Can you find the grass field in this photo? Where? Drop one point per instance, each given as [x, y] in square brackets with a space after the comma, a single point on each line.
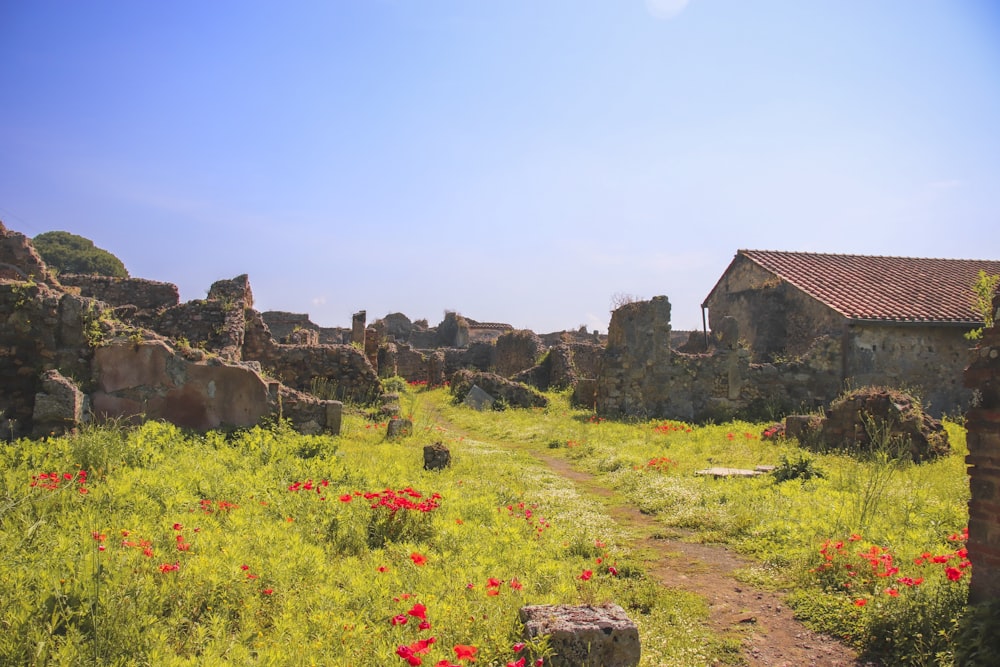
[151, 546]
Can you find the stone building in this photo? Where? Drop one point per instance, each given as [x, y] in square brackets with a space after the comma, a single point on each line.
[899, 321]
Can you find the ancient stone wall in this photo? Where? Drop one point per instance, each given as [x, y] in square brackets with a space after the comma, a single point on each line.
[925, 360]
[343, 371]
[41, 329]
[282, 324]
[20, 261]
[143, 294]
[586, 358]
[517, 351]
[641, 376]
[982, 422]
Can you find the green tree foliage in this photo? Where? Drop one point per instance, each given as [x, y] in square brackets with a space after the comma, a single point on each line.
[982, 301]
[69, 253]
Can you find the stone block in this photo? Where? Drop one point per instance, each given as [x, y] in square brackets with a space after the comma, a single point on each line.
[477, 399]
[399, 428]
[436, 457]
[584, 636]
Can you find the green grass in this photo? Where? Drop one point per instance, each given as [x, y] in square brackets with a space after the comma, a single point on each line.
[190, 550]
[906, 509]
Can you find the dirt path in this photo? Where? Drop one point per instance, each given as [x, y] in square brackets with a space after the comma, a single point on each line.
[771, 635]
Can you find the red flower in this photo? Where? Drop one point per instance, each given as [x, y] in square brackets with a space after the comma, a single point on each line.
[586, 575]
[518, 647]
[860, 602]
[418, 611]
[346, 498]
[418, 559]
[178, 526]
[267, 591]
[517, 663]
[399, 619]
[463, 652]
[953, 573]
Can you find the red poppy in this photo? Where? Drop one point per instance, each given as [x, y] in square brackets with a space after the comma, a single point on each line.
[399, 619]
[586, 575]
[346, 498]
[953, 573]
[860, 602]
[418, 611]
[463, 652]
[418, 559]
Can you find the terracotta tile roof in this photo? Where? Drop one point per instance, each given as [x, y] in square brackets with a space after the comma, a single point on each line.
[895, 289]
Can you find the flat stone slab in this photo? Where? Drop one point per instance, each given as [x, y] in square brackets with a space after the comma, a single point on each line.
[478, 399]
[731, 472]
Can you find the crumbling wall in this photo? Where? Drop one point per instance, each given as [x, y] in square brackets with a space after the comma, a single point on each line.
[41, 329]
[641, 376]
[143, 294]
[20, 261]
[982, 422]
[517, 351]
[635, 370]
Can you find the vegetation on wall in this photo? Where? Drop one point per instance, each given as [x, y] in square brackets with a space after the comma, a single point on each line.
[983, 291]
[70, 253]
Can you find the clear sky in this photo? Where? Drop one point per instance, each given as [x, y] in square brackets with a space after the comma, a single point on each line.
[519, 161]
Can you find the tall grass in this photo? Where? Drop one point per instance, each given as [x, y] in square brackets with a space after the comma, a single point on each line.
[877, 500]
[260, 547]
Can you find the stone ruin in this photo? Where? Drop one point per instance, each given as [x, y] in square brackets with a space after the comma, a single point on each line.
[77, 346]
[513, 394]
[641, 374]
[864, 420]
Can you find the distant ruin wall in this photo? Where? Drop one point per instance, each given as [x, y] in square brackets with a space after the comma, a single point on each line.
[343, 371]
[641, 376]
[982, 422]
[143, 294]
[517, 351]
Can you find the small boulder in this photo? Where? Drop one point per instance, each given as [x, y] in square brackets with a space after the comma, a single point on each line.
[436, 457]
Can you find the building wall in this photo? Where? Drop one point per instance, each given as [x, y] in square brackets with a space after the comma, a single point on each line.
[776, 320]
[925, 360]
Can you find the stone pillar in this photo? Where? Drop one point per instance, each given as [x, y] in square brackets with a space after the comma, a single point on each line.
[983, 424]
[358, 328]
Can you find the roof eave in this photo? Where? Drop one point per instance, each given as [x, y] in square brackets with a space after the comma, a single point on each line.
[968, 324]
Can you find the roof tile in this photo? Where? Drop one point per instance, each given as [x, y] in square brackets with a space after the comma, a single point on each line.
[882, 288]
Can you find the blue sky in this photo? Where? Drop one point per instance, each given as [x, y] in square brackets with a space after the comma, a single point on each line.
[519, 161]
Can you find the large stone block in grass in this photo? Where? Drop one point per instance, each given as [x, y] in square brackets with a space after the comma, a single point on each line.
[584, 636]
